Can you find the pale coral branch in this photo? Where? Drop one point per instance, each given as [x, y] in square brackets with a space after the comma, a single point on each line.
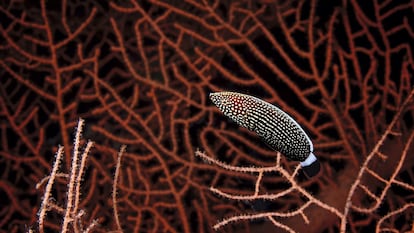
[252, 197]
[391, 214]
[278, 224]
[235, 168]
[44, 206]
[42, 181]
[114, 187]
[80, 175]
[91, 226]
[404, 185]
[388, 183]
[257, 186]
[71, 212]
[311, 198]
[351, 192]
[72, 181]
[261, 215]
[260, 170]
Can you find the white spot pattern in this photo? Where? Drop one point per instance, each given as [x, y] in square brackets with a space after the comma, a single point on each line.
[273, 125]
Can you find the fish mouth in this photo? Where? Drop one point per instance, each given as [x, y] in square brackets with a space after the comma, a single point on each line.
[218, 99]
[221, 99]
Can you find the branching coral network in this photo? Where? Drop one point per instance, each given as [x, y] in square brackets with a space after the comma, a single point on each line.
[140, 73]
[72, 215]
[343, 215]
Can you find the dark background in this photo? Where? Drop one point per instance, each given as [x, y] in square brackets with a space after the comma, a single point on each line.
[139, 73]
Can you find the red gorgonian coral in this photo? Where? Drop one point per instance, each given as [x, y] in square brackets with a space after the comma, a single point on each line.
[139, 73]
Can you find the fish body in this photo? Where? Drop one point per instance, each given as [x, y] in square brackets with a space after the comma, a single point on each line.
[276, 128]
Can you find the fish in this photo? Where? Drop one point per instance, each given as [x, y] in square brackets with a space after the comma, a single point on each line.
[274, 126]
